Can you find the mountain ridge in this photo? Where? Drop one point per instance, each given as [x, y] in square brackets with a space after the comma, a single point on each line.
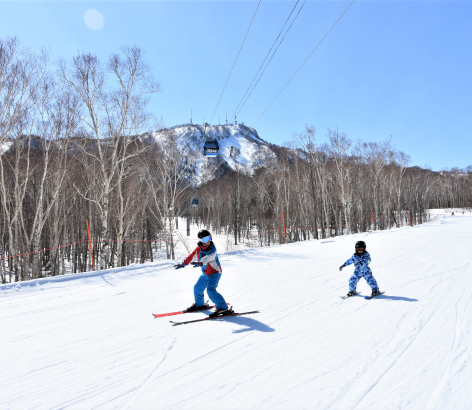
[241, 147]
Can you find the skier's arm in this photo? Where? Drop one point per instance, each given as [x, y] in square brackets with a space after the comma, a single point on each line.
[187, 260]
[347, 263]
[350, 261]
[190, 257]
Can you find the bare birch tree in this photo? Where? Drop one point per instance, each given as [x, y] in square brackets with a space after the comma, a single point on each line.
[114, 97]
[340, 146]
[21, 73]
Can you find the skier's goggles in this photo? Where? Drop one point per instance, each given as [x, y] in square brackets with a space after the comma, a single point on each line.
[206, 239]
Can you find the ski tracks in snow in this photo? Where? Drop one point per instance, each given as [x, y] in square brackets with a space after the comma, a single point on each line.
[443, 387]
[99, 349]
[149, 377]
[384, 358]
[401, 346]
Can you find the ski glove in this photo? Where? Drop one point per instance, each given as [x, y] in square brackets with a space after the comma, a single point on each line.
[197, 264]
[341, 267]
[179, 266]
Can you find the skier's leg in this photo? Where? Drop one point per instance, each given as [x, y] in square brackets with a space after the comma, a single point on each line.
[371, 280]
[356, 276]
[199, 289]
[213, 294]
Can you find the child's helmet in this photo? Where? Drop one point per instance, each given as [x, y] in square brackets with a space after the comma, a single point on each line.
[203, 233]
[361, 244]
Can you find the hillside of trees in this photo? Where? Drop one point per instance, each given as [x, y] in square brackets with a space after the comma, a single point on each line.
[75, 146]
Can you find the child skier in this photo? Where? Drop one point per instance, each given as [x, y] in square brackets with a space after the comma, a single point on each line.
[361, 260]
[207, 258]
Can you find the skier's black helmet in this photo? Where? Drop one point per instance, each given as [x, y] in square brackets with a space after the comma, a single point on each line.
[203, 233]
[361, 244]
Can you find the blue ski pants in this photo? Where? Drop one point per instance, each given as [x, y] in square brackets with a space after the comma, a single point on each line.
[209, 283]
[358, 274]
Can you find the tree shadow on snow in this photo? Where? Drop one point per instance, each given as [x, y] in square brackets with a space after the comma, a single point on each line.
[396, 298]
[250, 325]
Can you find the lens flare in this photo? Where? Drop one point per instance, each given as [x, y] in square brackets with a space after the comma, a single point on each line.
[94, 19]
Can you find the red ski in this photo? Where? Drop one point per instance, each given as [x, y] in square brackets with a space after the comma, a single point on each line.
[211, 318]
[179, 313]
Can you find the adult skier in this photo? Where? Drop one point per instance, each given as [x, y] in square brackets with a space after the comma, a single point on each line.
[361, 260]
[205, 256]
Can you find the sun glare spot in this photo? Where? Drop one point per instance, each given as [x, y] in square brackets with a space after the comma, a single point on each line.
[94, 19]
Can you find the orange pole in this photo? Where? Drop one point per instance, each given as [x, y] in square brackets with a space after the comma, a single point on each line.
[372, 213]
[90, 245]
[283, 222]
[409, 216]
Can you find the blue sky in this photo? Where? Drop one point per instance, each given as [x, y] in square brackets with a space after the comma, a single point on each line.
[400, 69]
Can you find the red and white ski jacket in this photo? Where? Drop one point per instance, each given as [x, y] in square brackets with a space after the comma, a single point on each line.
[208, 257]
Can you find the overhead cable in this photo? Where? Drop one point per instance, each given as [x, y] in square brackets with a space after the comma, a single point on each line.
[235, 61]
[309, 55]
[268, 53]
[281, 41]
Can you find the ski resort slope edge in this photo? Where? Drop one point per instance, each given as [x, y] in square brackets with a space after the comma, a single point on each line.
[91, 341]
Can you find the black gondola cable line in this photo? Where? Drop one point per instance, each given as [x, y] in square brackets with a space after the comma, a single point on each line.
[254, 15]
[281, 41]
[301, 65]
[298, 69]
[267, 55]
[254, 56]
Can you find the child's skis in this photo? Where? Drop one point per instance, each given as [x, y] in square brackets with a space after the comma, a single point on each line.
[210, 318]
[370, 297]
[178, 313]
[350, 296]
[181, 312]
[365, 297]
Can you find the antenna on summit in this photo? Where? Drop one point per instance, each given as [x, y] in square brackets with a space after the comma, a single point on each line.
[190, 116]
[226, 118]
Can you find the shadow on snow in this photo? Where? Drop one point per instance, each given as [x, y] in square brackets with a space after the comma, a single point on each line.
[396, 298]
[250, 324]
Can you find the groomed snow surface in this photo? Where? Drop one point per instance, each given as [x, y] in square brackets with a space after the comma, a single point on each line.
[89, 341]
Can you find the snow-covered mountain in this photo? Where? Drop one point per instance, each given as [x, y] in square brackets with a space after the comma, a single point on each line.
[241, 148]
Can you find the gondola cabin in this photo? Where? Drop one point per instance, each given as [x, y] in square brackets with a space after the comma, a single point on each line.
[211, 148]
[194, 202]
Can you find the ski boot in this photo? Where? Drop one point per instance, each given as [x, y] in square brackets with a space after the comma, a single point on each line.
[195, 308]
[375, 293]
[351, 293]
[221, 312]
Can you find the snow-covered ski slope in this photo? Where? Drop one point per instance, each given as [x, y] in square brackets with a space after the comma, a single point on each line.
[90, 341]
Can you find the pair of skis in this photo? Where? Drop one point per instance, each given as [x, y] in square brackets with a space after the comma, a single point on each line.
[365, 297]
[232, 314]
[200, 320]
